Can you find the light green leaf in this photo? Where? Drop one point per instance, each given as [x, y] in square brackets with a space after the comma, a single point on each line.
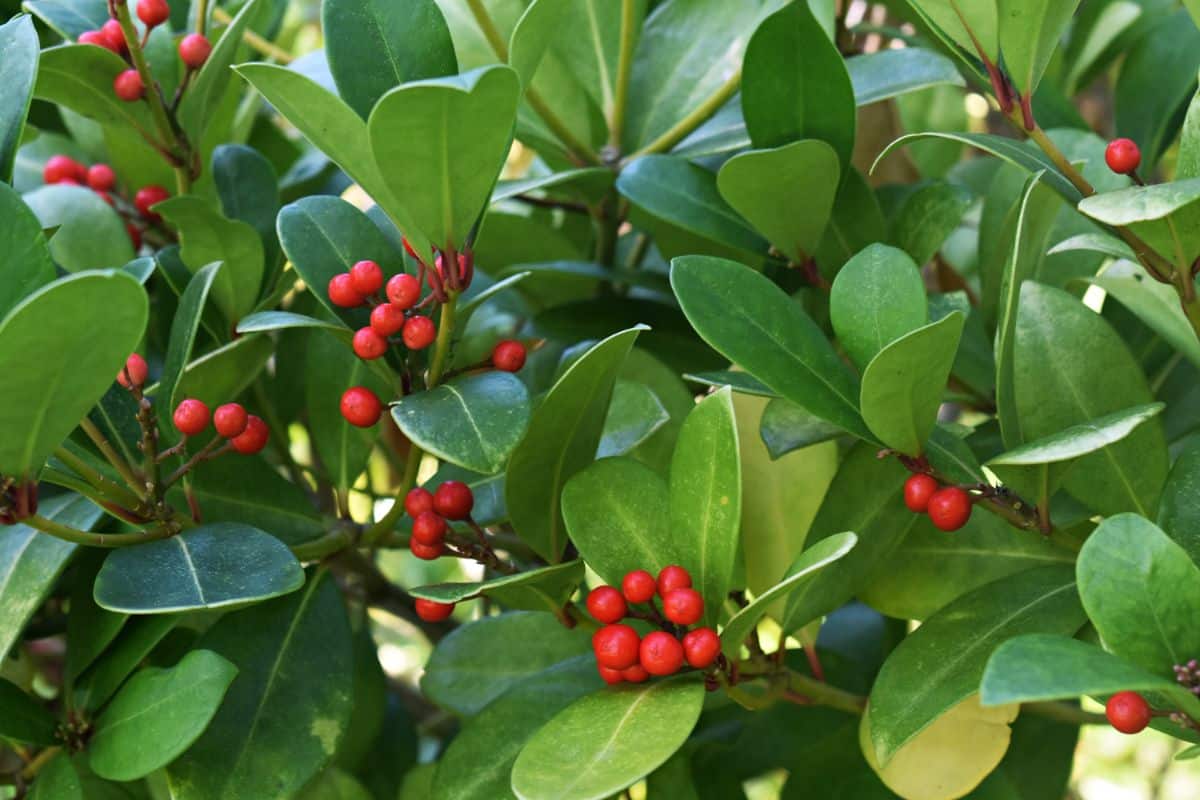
[184, 328]
[1079, 440]
[19, 43]
[877, 297]
[27, 263]
[207, 90]
[888, 73]
[634, 415]
[89, 235]
[978, 22]
[80, 77]
[262, 321]
[1156, 304]
[58, 781]
[541, 589]
[1029, 34]
[533, 35]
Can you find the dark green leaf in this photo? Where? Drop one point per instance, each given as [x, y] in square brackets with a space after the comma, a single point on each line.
[740, 382]
[1179, 508]
[887, 73]
[787, 427]
[23, 719]
[207, 90]
[184, 328]
[19, 42]
[634, 415]
[133, 645]
[249, 191]
[928, 217]
[876, 298]
[262, 321]
[58, 781]
[1029, 34]
[80, 77]
[27, 264]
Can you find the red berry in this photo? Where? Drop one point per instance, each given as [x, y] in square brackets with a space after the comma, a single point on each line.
[950, 508]
[429, 529]
[440, 262]
[101, 177]
[426, 552]
[342, 292]
[701, 647]
[253, 439]
[59, 169]
[128, 85]
[419, 333]
[112, 33]
[367, 277]
[404, 291]
[97, 38]
[361, 407]
[616, 646]
[194, 49]
[431, 610]
[230, 420]
[191, 417]
[408, 248]
[638, 586]
[138, 371]
[661, 653]
[1128, 712]
[1123, 156]
[135, 235]
[683, 606]
[508, 356]
[673, 577]
[635, 674]
[368, 344]
[418, 501]
[153, 12]
[917, 491]
[606, 605]
[453, 500]
[387, 319]
[147, 197]
[610, 676]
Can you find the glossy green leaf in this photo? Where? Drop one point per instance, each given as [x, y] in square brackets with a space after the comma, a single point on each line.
[58, 781]
[740, 382]
[157, 715]
[262, 321]
[1079, 440]
[1029, 34]
[90, 629]
[589, 183]
[533, 35]
[541, 589]
[213, 566]
[184, 328]
[27, 264]
[1179, 508]
[1147, 209]
[979, 22]
[877, 297]
[334, 784]
[207, 90]
[80, 77]
[786, 427]
[888, 73]
[634, 415]
[1156, 304]
[1096, 243]
[24, 719]
[89, 235]
[928, 217]
[613, 738]
[249, 191]
[857, 222]
[137, 639]
[19, 42]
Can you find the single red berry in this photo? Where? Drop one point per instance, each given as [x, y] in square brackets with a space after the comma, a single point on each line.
[361, 407]
[606, 605]
[254, 438]
[683, 606]
[403, 291]
[128, 85]
[418, 501]
[508, 356]
[419, 333]
[368, 344]
[431, 610]
[147, 197]
[408, 248]
[610, 676]
[342, 292]
[97, 38]
[191, 417]
[1123, 156]
[387, 319]
[135, 236]
[101, 177]
[1128, 712]
[426, 552]
[673, 577]
[60, 168]
[950, 508]
[138, 371]
[153, 12]
[661, 653]
[701, 647]
[194, 50]
[112, 33]
[453, 500]
[917, 491]
[429, 529]
[635, 674]
[638, 586]
[230, 420]
[366, 277]
[616, 646]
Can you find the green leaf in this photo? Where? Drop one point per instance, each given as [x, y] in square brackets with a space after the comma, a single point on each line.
[90, 629]
[80, 77]
[754, 324]
[613, 738]
[48, 388]
[477, 663]
[929, 215]
[888, 73]
[287, 709]
[262, 321]
[19, 42]
[533, 35]
[634, 415]
[564, 432]
[249, 191]
[740, 382]
[374, 45]
[800, 573]
[90, 234]
[877, 297]
[981, 23]
[157, 715]
[1096, 243]
[58, 781]
[227, 371]
[23, 719]
[1141, 590]
[1079, 440]
[1147, 208]
[1179, 508]
[334, 784]
[542, 589]
[474, 421]
[214, 566]
[133, 645]
[857, 222]
[27, 264]
[902, 387]
[590, 183]
[939, 666]
[1029, 34]
[207, 90]
[1156, 304]
[787, 193]
[786, 427]
[184, 328]
[795, 85]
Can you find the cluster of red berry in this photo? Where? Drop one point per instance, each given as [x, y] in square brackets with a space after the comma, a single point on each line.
[100, 178]
[622, 655]
[948, 507]
[429, 512]
[393, 314]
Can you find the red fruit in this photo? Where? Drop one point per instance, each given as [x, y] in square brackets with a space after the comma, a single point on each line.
[683, 606]
[254, 438]
[635, 674]
[138, 371]
[673, 577]
[606, 605]
[128, 85]
[101, 177]
[191, 417]
[112, 33]
[404, 291]
[1123, 156]
[106, 197]
[342, 292]
[440, 262]
[147, 197]
[153, 12]
[135, 235]
[59, 169]
[701, 647]
[1128, 712]
[419, 333]
[418, 501]
[950, 508]
[368, 344]
[616, 646]
[361, 407]
[508, 356]
[387, 319]
[661, 653]
[97, 38]
[230, 420]
[431, 610]
[917, 491]
[638, 586]
[408, 248]
[194, 49]
[453, 500]
[367, 277]
[610, 676]
[426, 552]
[429, 529]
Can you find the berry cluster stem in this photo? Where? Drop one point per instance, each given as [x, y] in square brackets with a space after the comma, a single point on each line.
[164, 530]
[113, 457]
